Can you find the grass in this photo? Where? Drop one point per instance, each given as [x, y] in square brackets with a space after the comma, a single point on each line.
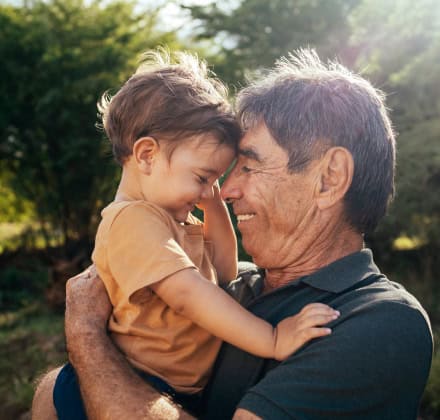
[31, 342]
[16, 235]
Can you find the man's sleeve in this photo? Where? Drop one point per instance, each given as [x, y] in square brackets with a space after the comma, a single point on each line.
[374, 365]
[142, 250]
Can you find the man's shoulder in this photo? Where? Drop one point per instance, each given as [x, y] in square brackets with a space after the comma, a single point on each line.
[386, 296]
[385, 313]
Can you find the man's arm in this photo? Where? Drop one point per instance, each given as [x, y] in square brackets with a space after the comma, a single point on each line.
[109, 387]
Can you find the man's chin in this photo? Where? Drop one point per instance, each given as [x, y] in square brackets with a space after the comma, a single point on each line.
[247, 246]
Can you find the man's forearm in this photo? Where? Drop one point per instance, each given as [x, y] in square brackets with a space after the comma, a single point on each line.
[109, 386]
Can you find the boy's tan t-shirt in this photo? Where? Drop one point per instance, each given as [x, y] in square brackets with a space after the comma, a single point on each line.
[138, 244]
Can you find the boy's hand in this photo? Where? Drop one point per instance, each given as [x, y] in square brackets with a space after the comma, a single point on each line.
[213, 199]
[295, 331]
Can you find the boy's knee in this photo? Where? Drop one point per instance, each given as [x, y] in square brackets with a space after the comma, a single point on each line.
[42, 404]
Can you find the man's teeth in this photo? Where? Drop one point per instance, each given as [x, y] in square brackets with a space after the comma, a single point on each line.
[243, 217]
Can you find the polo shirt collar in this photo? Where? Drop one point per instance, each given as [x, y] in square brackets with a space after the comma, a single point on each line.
[343, 273]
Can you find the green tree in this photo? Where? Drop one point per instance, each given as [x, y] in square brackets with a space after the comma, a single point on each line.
[399, 49]
[254, 33]
[58, 57]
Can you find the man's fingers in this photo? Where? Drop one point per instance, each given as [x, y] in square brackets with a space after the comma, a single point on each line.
[88, 272]
[87, 304]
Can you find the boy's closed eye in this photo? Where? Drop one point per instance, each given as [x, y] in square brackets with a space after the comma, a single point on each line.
[202, 179]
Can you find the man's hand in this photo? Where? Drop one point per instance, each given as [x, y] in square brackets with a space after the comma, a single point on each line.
[109, 386]
[88, 307]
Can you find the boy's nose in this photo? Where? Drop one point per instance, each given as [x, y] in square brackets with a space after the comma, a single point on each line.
[208, 192]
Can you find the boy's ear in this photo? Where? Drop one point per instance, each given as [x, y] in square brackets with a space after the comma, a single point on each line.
[336, 175]
[144, 151]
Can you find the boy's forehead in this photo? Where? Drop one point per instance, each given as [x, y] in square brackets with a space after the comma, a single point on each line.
[216, 163]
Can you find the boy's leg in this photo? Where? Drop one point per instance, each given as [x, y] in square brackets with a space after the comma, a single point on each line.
[67, 396]
[42, 404]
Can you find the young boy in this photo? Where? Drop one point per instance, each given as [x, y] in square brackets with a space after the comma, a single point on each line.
[174, 134]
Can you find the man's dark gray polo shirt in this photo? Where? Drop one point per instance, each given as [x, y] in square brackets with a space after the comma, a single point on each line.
[374, 365]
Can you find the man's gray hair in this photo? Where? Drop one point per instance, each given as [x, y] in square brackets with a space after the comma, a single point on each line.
[309, 106]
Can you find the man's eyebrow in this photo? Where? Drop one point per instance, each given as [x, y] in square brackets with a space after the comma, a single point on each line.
[250, 154]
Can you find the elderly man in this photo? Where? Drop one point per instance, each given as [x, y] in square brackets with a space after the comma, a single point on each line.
[314, 174]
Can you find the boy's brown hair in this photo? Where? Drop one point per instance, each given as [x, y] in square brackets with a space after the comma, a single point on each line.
[169, 98]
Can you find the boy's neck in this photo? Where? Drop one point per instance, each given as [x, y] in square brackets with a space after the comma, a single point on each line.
[129, 188]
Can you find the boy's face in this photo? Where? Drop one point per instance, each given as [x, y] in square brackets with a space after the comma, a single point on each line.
[184, 179]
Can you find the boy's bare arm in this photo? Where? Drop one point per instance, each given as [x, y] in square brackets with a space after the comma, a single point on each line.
[109, 387]
[196, 298]
[219, 230]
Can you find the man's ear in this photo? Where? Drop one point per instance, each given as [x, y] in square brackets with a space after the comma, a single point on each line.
[144, 151]
[336, 175]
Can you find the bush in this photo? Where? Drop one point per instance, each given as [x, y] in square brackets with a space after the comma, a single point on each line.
[431, 398]
[21, 287]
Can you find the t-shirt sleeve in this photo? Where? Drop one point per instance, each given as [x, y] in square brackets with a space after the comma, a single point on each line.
[142, 249]
[208, 245]
[374, 365]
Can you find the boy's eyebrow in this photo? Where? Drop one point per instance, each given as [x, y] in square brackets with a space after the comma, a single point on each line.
[250, 154]
[210, 171]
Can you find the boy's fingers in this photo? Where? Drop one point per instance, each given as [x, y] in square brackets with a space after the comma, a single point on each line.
[316, 320]
[315, 332]
[303, 318]
[317, 308]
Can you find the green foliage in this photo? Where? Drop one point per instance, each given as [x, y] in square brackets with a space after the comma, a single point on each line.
[431, 398]
[31, 342]
[399, 48]
[256, 32]
[58, 58]
[21, 287]
[13, 208]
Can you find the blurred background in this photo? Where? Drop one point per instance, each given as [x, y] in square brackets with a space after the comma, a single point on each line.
[56, 171]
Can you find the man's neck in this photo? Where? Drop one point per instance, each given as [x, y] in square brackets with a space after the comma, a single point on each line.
[314, 259]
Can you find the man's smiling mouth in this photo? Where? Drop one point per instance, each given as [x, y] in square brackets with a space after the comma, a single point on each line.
[245, 217]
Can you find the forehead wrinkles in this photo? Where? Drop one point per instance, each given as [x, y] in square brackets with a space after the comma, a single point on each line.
[264, 162]
[259, 145]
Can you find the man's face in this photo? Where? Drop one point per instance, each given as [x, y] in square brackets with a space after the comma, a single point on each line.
[274, 207]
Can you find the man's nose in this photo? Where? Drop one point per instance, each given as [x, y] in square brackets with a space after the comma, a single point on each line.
[231, 189]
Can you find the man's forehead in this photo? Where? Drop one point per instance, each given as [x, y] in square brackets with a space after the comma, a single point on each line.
[257, 142]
